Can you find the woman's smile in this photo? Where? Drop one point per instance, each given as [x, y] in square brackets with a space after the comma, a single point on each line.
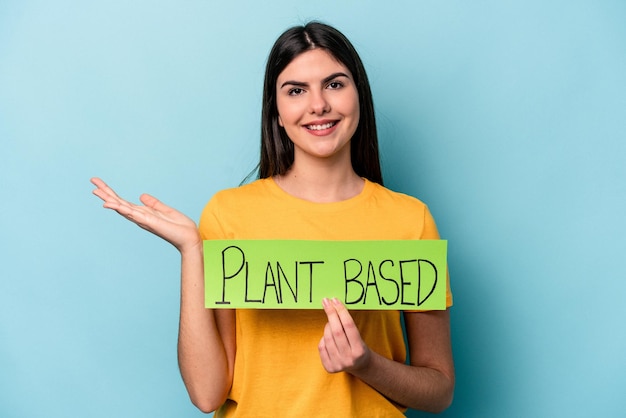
[321, 128]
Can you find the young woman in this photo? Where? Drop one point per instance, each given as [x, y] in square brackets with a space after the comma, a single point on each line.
[319, 179]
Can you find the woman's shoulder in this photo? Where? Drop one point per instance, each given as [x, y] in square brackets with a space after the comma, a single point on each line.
[235, 201]
[384, 194]
[255, 188]
[246, 195]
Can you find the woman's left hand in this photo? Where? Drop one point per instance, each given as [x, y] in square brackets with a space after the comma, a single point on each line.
[342, 348]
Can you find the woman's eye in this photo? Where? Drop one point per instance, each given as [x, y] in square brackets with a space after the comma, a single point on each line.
[295, 91]
[335, 85]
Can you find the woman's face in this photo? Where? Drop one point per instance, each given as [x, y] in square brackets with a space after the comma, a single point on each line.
[318, 106]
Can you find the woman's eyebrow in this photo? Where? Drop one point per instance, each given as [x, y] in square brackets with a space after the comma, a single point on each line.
[294, 83]
[334, 75]
[324, 81]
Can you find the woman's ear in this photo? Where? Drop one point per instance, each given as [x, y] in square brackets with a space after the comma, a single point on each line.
[280, 122]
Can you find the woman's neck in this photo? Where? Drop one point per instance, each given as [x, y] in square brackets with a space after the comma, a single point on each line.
[321, 184]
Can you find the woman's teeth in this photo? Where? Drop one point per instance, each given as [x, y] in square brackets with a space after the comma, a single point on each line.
[320, 127]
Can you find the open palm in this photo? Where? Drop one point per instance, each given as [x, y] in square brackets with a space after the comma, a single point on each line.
[153, 216]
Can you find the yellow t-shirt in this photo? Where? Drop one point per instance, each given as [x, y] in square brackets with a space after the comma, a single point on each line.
[278, 372]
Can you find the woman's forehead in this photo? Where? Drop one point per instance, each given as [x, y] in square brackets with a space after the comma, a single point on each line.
[312, 64]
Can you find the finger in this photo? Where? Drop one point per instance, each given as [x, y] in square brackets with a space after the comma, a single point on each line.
[111, 199]
[97, 181]
[331, 357]
[105, 193]
[325, 357]
[102, 186]
[347, 322]
[334, 332]
[105, 196]
[154, 203]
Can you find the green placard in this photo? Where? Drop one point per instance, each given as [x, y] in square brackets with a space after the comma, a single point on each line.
[288, 274]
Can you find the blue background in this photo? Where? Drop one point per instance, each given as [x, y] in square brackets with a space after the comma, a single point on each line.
[507, 117]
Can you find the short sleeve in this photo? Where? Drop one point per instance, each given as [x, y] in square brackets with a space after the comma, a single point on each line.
[209, 225]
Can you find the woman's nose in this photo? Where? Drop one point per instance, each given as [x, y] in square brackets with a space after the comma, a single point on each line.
[319, 104]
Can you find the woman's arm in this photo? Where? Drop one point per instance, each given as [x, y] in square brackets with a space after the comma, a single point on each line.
[206, 339]
[426, 384]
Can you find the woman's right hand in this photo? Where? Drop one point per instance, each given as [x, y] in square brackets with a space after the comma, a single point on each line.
[153, 216]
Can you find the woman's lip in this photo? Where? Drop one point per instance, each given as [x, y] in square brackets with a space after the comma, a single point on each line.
[320, 128]
[321, 125]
